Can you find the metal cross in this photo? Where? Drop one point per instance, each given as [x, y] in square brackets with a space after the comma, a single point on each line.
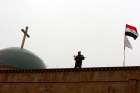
[25, 35]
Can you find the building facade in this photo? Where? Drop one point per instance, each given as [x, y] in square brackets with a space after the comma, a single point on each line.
[85, 80]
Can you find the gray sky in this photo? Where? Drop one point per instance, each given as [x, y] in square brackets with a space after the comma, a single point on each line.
[59, 28]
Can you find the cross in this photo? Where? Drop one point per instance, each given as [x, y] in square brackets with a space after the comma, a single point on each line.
[25, 35]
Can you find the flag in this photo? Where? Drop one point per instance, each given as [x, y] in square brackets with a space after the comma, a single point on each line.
[127, 43]
[131, 31]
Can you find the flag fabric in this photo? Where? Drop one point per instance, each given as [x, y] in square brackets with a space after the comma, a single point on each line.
[127, 43]
[131, 31]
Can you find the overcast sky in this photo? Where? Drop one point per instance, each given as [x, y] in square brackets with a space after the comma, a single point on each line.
[60, 28]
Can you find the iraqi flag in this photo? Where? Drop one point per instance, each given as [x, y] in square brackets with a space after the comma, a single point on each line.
[131, 31]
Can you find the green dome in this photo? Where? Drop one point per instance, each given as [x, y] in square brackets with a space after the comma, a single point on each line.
[20, 58]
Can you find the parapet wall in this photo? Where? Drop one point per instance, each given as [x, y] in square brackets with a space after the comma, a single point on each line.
[85, 80]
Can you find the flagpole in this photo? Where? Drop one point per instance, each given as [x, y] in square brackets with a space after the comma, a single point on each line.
[124, 56]
[124, 51]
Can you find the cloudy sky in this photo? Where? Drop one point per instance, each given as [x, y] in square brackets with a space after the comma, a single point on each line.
[60, 28]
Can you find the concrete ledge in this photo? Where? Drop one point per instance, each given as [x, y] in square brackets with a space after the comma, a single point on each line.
[70, 69]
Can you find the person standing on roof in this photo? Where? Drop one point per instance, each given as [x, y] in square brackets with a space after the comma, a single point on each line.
[78, 60]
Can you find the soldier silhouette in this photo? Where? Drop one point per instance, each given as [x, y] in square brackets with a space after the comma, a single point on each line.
[78, 60]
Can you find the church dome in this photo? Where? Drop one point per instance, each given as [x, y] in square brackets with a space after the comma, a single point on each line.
[20, 58]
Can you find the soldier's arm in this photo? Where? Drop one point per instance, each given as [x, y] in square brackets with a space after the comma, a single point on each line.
[84, 58]
[75, 57]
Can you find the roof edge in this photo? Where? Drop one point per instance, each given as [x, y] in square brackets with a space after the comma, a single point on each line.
[71, 69]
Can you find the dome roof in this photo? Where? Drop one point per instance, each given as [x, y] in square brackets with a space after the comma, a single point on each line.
[20, 58]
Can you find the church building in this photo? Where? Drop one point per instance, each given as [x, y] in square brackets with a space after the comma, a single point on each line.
[23, 72]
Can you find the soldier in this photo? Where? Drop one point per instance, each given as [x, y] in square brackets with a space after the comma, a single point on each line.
[78, 60]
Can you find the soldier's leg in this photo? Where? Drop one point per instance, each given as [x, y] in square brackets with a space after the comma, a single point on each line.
[75, 65]
[80, 64]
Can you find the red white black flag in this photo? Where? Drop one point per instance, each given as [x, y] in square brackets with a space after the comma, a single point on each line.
[131, 31]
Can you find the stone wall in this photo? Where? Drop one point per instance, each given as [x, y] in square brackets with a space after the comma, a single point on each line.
[85, 80]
